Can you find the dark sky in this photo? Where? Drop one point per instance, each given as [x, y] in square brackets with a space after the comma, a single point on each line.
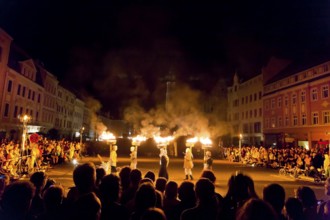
[119, 50]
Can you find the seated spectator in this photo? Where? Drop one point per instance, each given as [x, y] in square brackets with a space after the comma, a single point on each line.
[274, 194]
[294, 209]
[256, 209]
[207, 204]
[16, 200]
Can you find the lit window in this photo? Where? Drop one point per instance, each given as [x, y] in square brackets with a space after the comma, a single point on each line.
[303, 96]
[295, 120]
[294, 98]
[303, 119]
[325, 91]
[272, 105]
[279, 102]
[315, 117]
[314, 94]
[326, 117]
[286, 101]
[279, 121]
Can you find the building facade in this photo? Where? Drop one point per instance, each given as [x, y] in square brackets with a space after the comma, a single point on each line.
[245, 112]
[297, 108]
[27, 88]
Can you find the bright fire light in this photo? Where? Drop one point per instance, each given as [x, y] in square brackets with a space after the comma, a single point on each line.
[107, 136]
[162, 141]
[205, 141]
[138, 139]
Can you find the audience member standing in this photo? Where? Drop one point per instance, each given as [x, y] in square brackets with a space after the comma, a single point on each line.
[207, 204]
[274, 194]
[109, 194]
[16, 200]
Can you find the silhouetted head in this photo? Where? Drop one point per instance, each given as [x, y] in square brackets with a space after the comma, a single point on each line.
[274, 194]
[84, 177]
[256, 209]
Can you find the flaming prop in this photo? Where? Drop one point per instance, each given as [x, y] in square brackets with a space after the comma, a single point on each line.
[206, 142]
[108, 137]
[136, 141]
[163, 141]
[191, 141]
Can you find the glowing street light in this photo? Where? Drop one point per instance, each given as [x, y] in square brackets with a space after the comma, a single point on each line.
[239, 147]
[81, 135]
[25, 119]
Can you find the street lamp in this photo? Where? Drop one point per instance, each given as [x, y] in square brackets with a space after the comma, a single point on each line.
[81, 135]
[328, 133]
[24, 119]
[239, 147]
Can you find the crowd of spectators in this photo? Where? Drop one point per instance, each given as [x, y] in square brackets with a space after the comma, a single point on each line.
[279, 157]
[130, 195]
[35, 156]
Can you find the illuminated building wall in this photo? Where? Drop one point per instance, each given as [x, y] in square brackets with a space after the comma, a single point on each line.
[297, 107]
[245, 110]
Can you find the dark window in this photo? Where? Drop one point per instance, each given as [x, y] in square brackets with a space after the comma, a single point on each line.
[29, 94]
[38, 98]
[23, 93]
[10, 85]
[33, 94]
[19, 89]
[6, 113]
[21, 110]
[15, 111]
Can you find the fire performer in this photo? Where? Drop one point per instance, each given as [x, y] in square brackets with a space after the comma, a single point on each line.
[208, 161]
[188, 164]
[164, 161]
[133, 157]
[113, 159]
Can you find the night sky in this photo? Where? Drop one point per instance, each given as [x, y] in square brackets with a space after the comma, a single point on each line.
[118, 51]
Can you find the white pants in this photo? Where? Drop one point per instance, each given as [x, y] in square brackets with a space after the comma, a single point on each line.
[187, 171]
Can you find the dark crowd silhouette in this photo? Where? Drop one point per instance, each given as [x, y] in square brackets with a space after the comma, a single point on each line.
[130, 195]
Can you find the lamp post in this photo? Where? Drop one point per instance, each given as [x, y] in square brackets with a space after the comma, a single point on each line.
[24, 119]
[81, 135]
[239, 147]
[328, 133]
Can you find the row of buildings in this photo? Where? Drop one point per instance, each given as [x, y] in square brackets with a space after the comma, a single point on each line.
[27, 88]
[286, 104]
